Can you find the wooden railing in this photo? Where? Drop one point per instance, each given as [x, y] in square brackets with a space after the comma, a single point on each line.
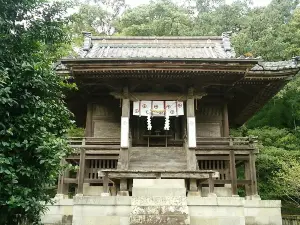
[291, 220]
[87, 141]
[229, 141]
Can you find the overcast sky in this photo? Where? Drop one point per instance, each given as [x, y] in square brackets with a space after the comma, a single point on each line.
[133, 3]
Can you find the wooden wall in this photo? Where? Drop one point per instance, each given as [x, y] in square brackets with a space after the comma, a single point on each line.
[104, 118]
[209, 119]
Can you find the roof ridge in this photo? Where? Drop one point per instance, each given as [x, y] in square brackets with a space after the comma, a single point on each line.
[156, 37]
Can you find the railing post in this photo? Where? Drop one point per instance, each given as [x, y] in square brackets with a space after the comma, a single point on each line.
[233, 173]
[105, 183]
[211, 184]
[253, 174]
[81, 172]
[248, 177]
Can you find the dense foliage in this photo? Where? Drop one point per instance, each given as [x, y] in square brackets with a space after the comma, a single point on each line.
[271, 32]
[33, 116]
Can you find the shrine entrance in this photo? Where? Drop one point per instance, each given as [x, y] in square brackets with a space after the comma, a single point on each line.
[157, 129]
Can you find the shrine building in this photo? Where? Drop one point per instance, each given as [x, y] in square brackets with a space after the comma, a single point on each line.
[157, 113]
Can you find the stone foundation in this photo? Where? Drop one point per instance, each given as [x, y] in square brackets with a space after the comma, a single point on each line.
[162, 202]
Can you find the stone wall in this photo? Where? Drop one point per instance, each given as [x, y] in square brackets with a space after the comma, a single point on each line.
[162, 202]
[112, 210]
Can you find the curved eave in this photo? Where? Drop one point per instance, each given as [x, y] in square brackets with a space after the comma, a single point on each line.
[273, 82]
[101, 66]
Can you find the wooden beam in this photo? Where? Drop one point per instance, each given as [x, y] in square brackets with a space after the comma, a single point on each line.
[77, 157]
[81, 172]
[89, 121]
[225, 121]
[70, 180]
[217, 157]
[233, 173]
[239, 182]
[153, 96]
[120, 174]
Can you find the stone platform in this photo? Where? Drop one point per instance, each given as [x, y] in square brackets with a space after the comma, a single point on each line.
[162, 202]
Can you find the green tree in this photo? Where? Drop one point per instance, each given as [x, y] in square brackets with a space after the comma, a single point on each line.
[97, 17]
[33, 115]
[159, 18]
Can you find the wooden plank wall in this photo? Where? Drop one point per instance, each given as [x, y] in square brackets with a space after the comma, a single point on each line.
[209, 121]
[105, 118]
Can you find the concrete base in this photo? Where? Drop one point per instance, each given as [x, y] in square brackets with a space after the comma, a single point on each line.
[194, 193]
[219, 191]
[123, 193]
[212, 195]
[148, 207]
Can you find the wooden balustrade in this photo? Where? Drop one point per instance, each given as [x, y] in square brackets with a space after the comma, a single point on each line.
[229, 141]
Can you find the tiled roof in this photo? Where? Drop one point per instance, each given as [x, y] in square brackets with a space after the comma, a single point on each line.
[157, 47]
[275, 66]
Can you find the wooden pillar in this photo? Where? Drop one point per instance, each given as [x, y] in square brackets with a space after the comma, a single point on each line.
[123, 185]
[225, 121]
[233, 173]
[105, 183]
[252, 158]
[62, 187]
[193, 185]
[60, 184]
[124, 152]
[81, 171]
[247, 177]
[191, 131]
[89, 121]
[211, 184]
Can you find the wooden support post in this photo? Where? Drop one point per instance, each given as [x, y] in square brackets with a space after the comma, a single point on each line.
[225, 121]
[233, 173]
[62, 187]
[105, 183]
[123, 185]
[191, 131]
[253, 174]
[89, 121]
[193, 185]
[247, 177]
[124, 152]
[60, 184]
[81, 171]
[211, 184]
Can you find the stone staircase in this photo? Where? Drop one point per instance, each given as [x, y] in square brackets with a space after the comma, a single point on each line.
[157, 158]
